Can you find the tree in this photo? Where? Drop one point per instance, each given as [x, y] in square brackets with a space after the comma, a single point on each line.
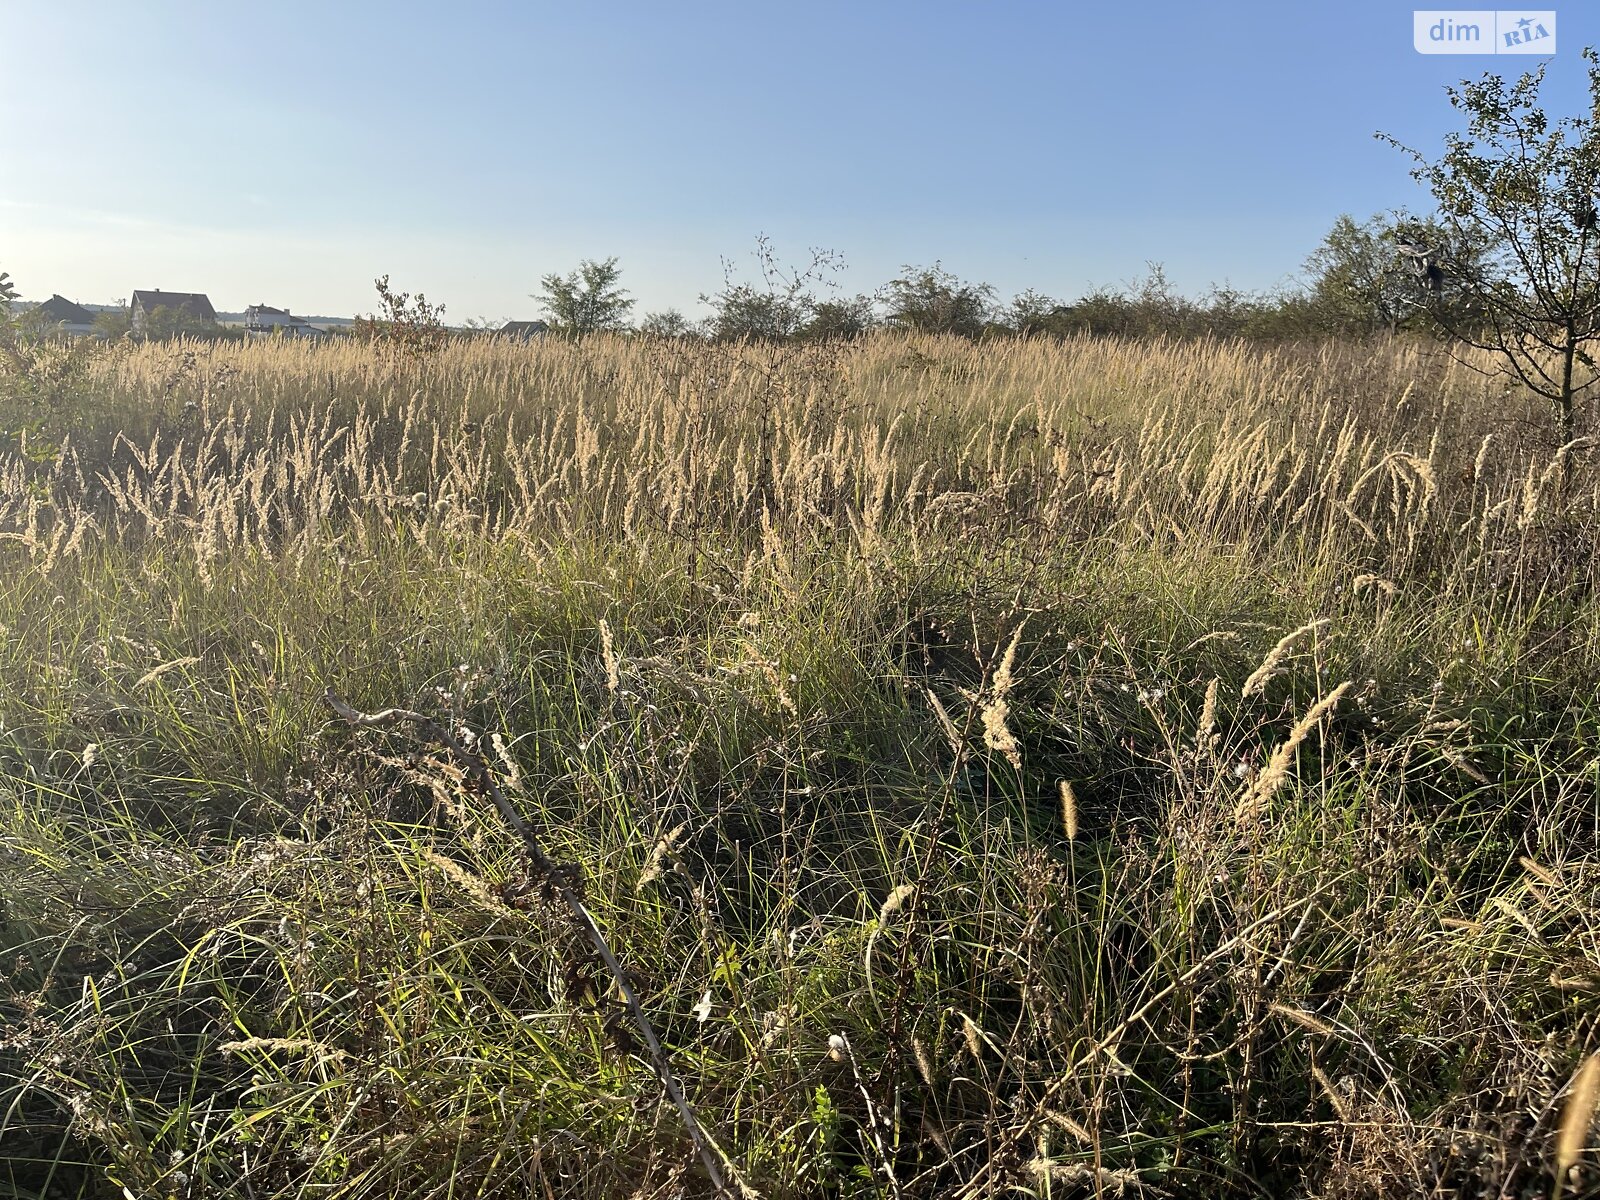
[1030, 312]
[743, 311]
[1356, 279]
[587, 300]
[1157, 307]
[169, 321]
[8, 321]
[668, 323]
[836, 320]
[784, 305]
[1227, 311]
[43, 380]
[114, 323]
[406, 323]
[933, 300]
[1362, 281]
[1524, 188]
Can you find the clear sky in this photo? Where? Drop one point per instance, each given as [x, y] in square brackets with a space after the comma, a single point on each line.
[287, 153]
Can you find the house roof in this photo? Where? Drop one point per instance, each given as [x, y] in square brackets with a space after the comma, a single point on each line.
[195, 302]
[59, 309]
[523, 328]
[264, 310]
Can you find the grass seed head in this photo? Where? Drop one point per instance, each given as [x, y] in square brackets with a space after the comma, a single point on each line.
[1069, 811]
[1272, 664]
[1578, 1118]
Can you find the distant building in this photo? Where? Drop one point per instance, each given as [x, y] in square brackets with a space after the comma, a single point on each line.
[523, 330]
[261, 321]
[194, 305]
[63, 315]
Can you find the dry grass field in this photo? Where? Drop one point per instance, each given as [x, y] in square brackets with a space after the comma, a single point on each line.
[1002, 769]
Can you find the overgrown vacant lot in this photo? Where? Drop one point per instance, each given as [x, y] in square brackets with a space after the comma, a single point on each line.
[1002, 769]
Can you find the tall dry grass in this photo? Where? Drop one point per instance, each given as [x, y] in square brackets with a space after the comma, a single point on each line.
[266, 446]
[1069, 767]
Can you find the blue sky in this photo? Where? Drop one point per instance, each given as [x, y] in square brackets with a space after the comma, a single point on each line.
[288, 153]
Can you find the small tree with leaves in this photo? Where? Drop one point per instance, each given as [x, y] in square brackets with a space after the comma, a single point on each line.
[667, 323]
[588, 300]
[1030, 312]
[783, 303]
[43, 379]
[167, 321]
[933, 300]
[114, 323]
[840, 319]
[1361, 281]
[748, 312]
[404, 323]
[1524, 187]
[1357, 281]
[12, 360]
